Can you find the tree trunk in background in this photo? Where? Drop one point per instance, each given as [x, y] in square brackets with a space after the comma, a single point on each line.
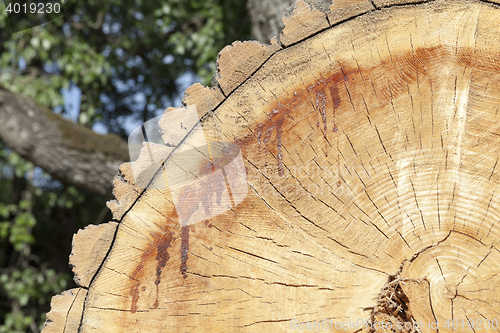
[350, 179]
[69, 152]
[266, 18]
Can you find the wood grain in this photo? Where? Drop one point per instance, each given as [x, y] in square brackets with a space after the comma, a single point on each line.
[370, 151]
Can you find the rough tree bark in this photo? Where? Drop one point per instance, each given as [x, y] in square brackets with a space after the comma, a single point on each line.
[370, 142]
[69, 152]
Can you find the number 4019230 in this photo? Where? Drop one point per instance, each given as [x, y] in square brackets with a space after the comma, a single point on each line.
[38, 8]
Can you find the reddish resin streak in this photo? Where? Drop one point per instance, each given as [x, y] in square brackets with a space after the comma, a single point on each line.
[192, 195]
[334, 94]
[276, 118]
[196, 194]
[184, 250]
[162, 257]
[265, 130]
[158, 246]
[188, 201]
[319, 89]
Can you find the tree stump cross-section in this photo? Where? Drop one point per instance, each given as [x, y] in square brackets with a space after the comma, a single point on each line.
[369, 135]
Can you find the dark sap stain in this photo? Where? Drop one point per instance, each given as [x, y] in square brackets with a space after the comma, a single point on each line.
[188, 201]
[274, 123]
[276, 119]
[319, 89]
[389, 79]
[191, 197]
[157, 249]
[334, 95]
[205, 191]
[202, 193]
[184, 250]
[162, 257]
[134, 291]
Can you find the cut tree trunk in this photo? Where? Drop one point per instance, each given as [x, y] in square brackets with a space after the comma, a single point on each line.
[369, 138]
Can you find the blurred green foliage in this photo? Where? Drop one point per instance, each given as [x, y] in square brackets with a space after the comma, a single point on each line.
[37, 218]
[126, 56]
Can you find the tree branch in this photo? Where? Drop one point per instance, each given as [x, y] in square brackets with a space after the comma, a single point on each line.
[69, 152]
